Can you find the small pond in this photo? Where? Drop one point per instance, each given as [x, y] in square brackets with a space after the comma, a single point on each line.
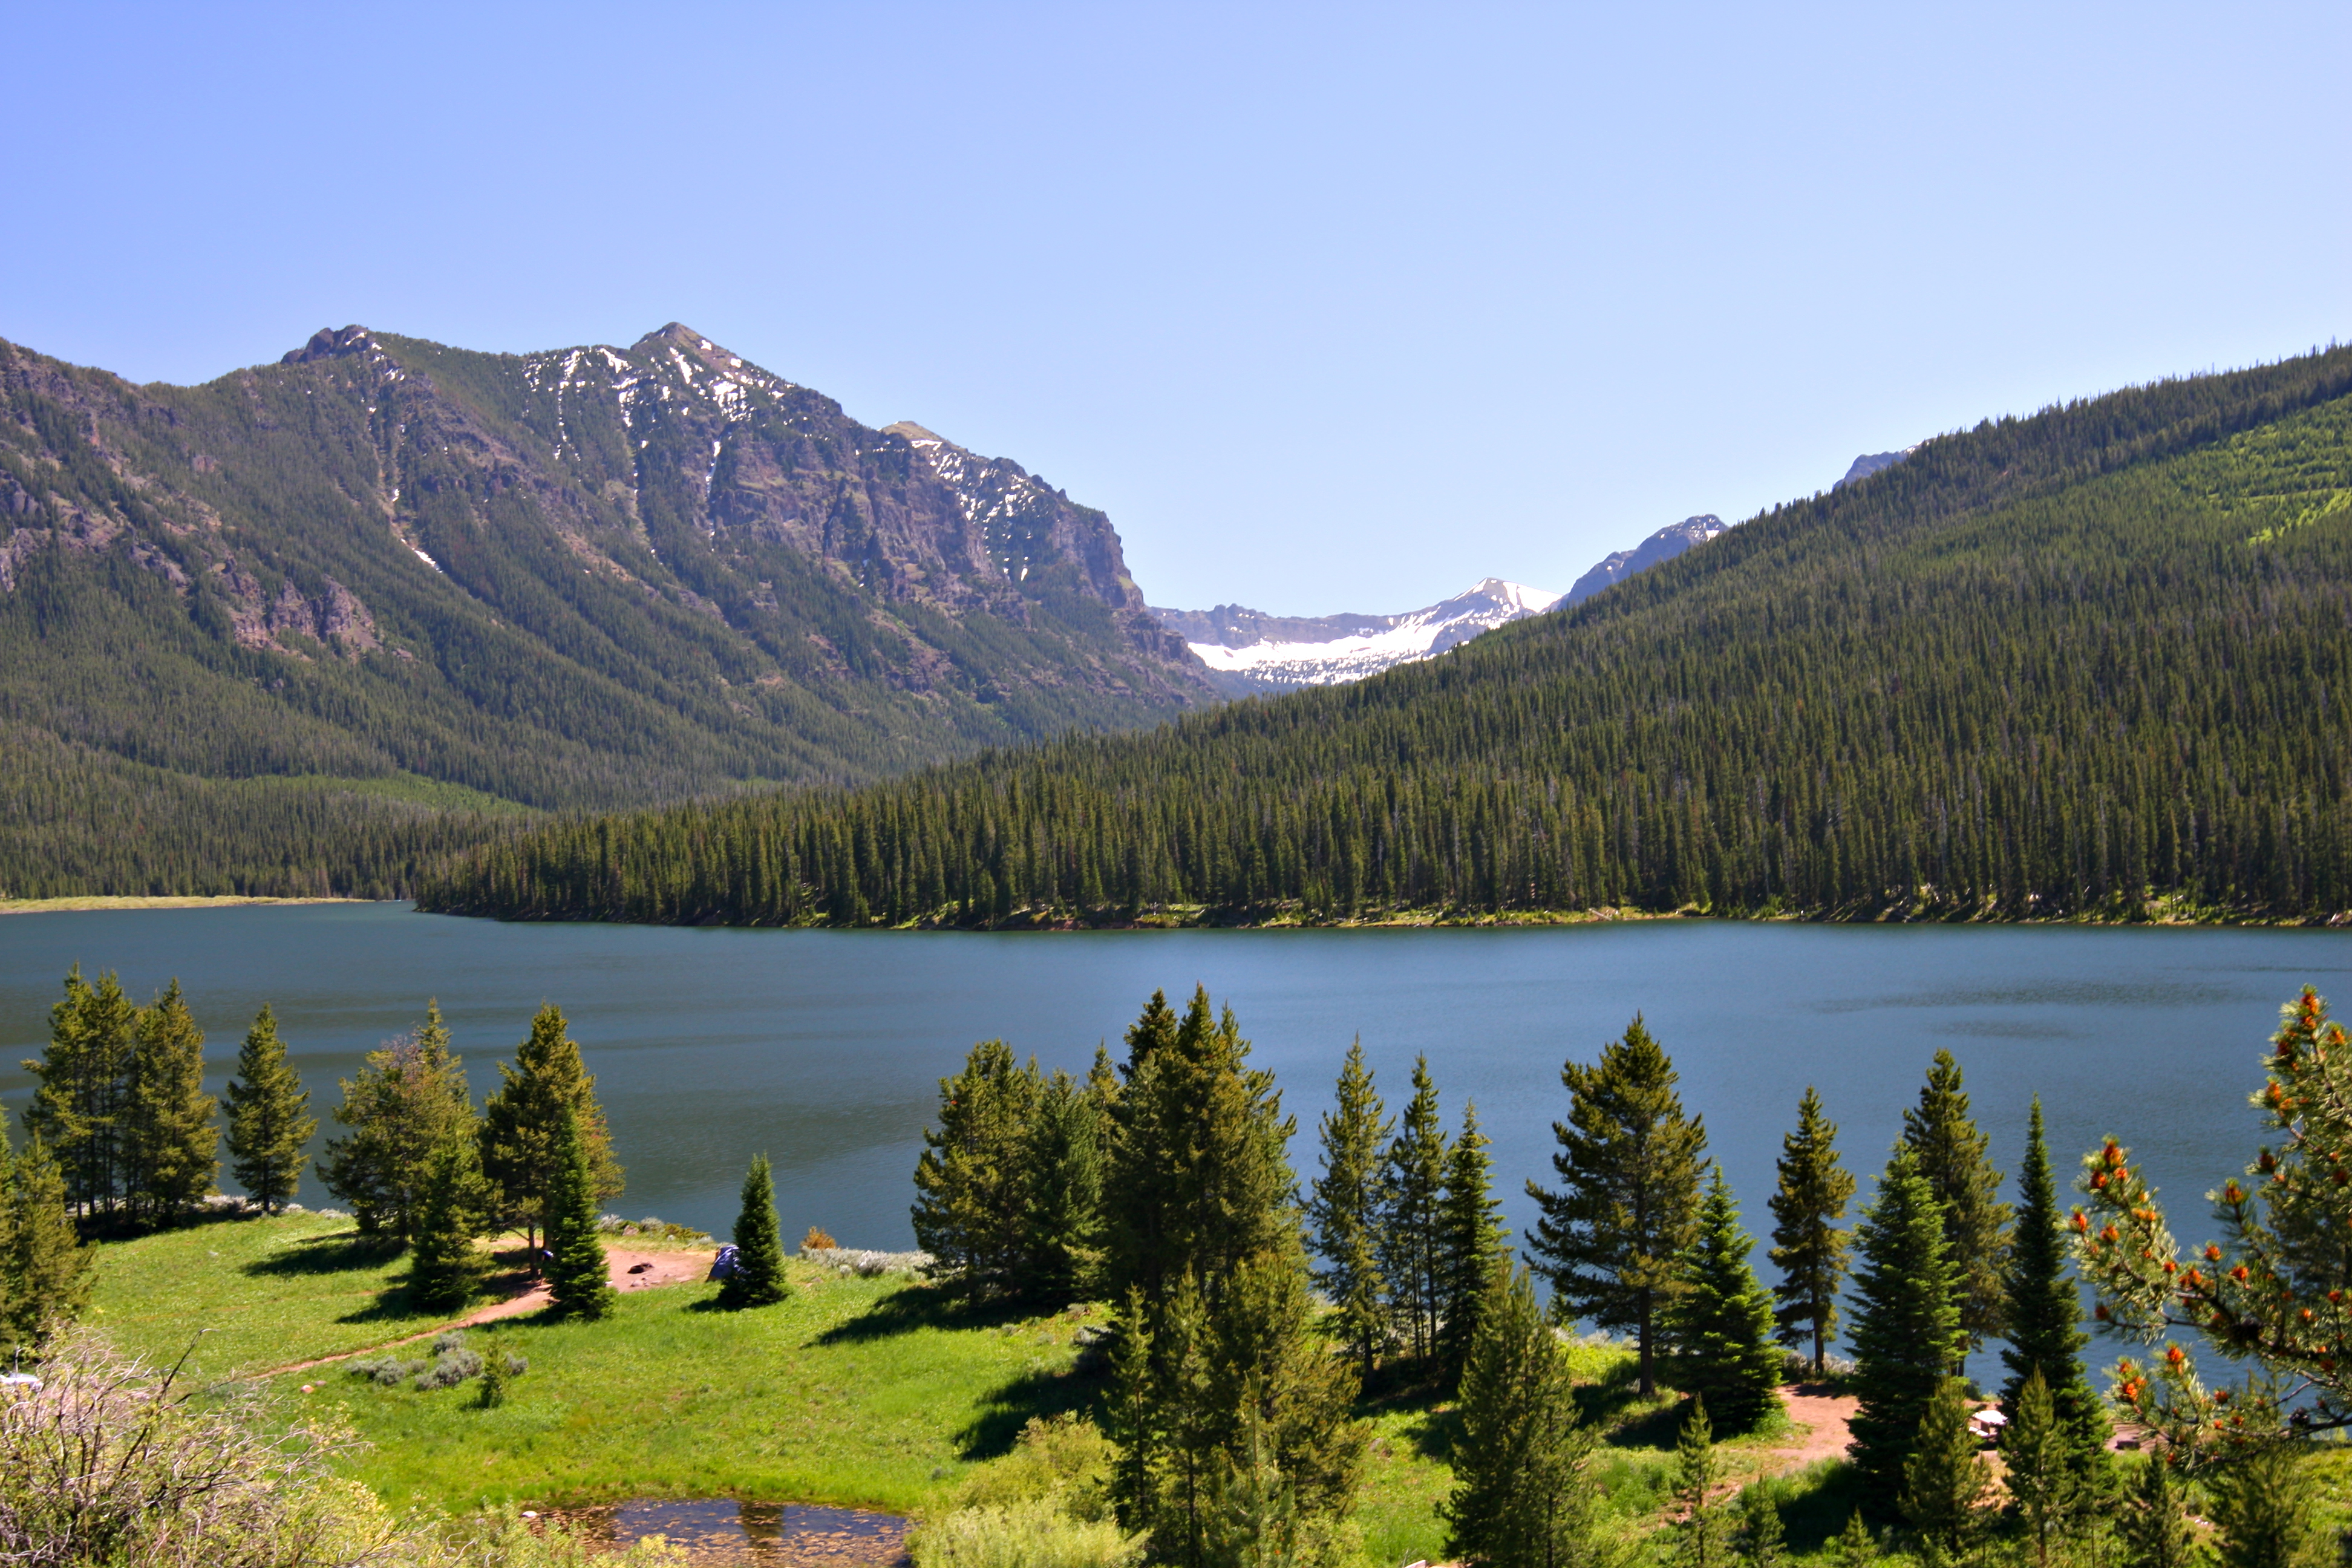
[717, 1532]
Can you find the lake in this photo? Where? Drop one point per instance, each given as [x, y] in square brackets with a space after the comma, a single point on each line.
[824, 1048]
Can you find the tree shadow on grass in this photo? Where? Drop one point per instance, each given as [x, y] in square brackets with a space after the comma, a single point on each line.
[1005, 1409]
[914, 1308]
[1816, 1501]
[338, 1252]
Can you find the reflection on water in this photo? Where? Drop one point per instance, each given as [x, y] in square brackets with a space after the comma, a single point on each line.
[720, 1531]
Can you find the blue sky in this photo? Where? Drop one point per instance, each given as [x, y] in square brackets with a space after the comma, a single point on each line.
[1331, 307]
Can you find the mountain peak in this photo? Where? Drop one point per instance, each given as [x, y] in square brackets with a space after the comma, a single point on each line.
[327, 342]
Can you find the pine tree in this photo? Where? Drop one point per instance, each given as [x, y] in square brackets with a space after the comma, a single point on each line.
[269, 1122]
[521, 1123]
[1412, 1180]
[170, 1145]
[1808, 1248]
[1062, 1249]
[76, 1111]
[1346, 1207]
[409, 1099]
[2045, 1316]
[759, 1278]
[975, 1179]
[1611, 1238]
[1852, 1546]
[578, 1284]
[1701, 1540]
[1519, 1498]
[444, 1270]
[1943, 1486]
[2154, 1521]
[1907, 1324]
[2038, 1463]
[2261, 1509]
[1720, 1323]
[1256, 1522]
[1472, 1244]
[48, 1267]
[1763, 1539]
[1976, 1222]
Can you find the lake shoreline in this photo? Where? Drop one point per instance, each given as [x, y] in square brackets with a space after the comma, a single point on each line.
[74, 903]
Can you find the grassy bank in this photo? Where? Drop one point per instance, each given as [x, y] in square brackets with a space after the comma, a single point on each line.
[127, 901]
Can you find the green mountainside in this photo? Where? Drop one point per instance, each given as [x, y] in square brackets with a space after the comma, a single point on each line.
[2090, 663]
[309, 627]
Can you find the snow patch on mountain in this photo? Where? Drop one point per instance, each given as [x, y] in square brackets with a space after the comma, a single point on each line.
[1257, 652]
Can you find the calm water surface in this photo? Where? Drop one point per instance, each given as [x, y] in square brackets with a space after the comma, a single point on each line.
[824, 1048]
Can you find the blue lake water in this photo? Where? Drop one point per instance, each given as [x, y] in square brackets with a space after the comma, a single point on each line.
[824, 1048]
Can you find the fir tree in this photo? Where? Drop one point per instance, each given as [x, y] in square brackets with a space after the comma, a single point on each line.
[76, 1111]
[1062, 1249]
[1472, 1244]
[1701, 1540]
[578, 1284]
[1943, 1486]
[48, 1266]
[1763, 1539]
[2045, 1316]
[409, 1099]
[1976, 1222]
[759, 1278]
[2262, 1508]
[1519, 1498]
[1720, 1323]
[269, 1122]
[443, 1272]
[521, 1123]
[1346, 1207]
[975, 1178]
[1808, 1248]
[2039, 1464]
[170, 1145]
[1907, 1324]
[1611, 1238]
[1852, 1546]
[2154, 1520]
[1258, 1523]
[1412, 1181]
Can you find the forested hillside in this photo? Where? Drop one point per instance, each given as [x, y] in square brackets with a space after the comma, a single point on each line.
[2090, 662]
[307, 626]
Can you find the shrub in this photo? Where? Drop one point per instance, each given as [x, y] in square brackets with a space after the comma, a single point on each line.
[818, 1239]
[503, 1539]
[1064, 1459]
[1024, 1535]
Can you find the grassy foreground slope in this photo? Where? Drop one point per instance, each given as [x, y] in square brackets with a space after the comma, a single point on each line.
[2089, 664]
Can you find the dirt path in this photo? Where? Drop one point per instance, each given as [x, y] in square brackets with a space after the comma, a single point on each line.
[1824, 1416]
[629, 1270]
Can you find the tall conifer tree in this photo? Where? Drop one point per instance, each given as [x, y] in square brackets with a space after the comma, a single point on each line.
[1701, 1537]
[2044, 1316]
[47, 1264]
[577, 1282]
[1907, 1328]
[1611, 1239]
[2154, 1520]
[759, 1278]
[444, 1271]
[1808, 1247]
[1063, 1246]
[1943, 1486]
[1520, 1499]
[408, 1099]
[2038, 1464]
[1473, 1242]
[523, 1121]
[171, 1146]
[269, 1122]
[2263, 1505]
[976, 1178]
[76, 1111]
[1345, 1209]
[1414, 1183]
[1721, 1321]
[1952, 1157]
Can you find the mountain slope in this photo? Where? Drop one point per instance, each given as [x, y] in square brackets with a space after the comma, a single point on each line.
[2090, 662]
[1248, 651]
[327, 601]
[1663, 545]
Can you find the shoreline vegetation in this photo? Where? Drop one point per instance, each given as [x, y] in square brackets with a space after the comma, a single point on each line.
[74, 902]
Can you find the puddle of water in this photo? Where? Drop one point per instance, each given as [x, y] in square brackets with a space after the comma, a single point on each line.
[719, 1532]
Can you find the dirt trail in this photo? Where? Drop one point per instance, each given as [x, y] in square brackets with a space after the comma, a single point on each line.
[1826, 1416]
[629, 1270]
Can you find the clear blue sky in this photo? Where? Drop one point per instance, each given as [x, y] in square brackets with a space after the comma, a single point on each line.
[1331, 307]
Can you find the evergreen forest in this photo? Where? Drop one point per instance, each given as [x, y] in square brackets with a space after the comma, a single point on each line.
[2089, 664]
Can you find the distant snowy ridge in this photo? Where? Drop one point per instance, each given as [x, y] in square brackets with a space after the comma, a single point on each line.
[1252, 651]
[1663, 545]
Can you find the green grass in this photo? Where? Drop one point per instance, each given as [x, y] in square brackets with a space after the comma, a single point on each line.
[269, 1291]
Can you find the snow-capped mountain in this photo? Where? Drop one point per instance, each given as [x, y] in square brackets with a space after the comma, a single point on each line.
[1247, 650]
[1663, 545]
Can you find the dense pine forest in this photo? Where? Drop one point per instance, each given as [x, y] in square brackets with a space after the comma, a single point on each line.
[310, 627]
[2088, 664]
